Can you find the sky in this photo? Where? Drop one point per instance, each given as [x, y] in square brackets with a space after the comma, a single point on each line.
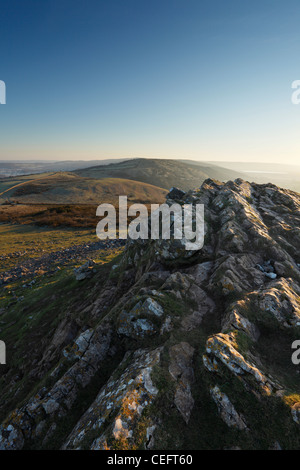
[196, 79]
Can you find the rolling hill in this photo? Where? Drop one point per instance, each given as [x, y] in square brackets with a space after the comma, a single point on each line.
[25, 167]
[69, 188]
[162, 173]
[280, 174]
[141, 179]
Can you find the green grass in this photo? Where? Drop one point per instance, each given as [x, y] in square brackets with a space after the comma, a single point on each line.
[69, 188]
[38, 241]
[165, 173]
[27, 327]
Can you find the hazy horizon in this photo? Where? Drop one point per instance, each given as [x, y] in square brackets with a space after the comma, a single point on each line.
[112, 159]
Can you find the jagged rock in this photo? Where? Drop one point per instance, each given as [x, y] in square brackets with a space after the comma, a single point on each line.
[276, 446]
[282, 300]
[156, 310]
[166, 326]
[175, 193]
[180, 368]
[85, 271]
[226, 409]
[235, 274]
[137, 322]
[271, 275]
[11, 438]
[296, 412]
[210, 365]
[150, 437]
[50, 406]
[178, 282]
[221, 347]
[124, 398]
[233, 320]
[204, 306]
[152, 307]
[80, 345]
[62, 395]
[64, 334]
[200, 272]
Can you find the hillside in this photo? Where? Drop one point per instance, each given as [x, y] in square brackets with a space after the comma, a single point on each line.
[282, 174]
[162, 173]
[82, 185]
[69, 188]
[25, 167]
[164, 348]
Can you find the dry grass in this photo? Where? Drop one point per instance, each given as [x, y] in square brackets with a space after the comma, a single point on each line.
[53, 215]
[66, 188]
[50, 215]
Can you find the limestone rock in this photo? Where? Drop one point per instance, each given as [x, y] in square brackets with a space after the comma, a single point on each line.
[226, 409]
[124, 398]
[85, 271]
[121, 360]
[180, 368]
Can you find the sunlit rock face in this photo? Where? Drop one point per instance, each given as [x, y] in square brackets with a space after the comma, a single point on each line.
[180, 349]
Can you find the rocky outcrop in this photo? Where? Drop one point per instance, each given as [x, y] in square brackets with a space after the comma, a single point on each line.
[137, 322]
[227, 410]
[32, 266]
[181, 370]
[220, 348]
[189, 348]
[125, 399]
[85, 271]
[48, 406]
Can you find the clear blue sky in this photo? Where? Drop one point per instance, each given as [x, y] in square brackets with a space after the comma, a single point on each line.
[195, 79]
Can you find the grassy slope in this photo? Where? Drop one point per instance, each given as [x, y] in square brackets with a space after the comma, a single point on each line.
[26, 324]
[33, 241]
[69, 188]
[164, 173]
[6, 183]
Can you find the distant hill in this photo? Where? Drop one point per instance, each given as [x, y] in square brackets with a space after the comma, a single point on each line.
[142, 179]
[280, 174]
[162, 173]
[26, 167]
[69, 188]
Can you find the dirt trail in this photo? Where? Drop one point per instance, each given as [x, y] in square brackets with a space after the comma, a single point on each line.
[26, 182]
